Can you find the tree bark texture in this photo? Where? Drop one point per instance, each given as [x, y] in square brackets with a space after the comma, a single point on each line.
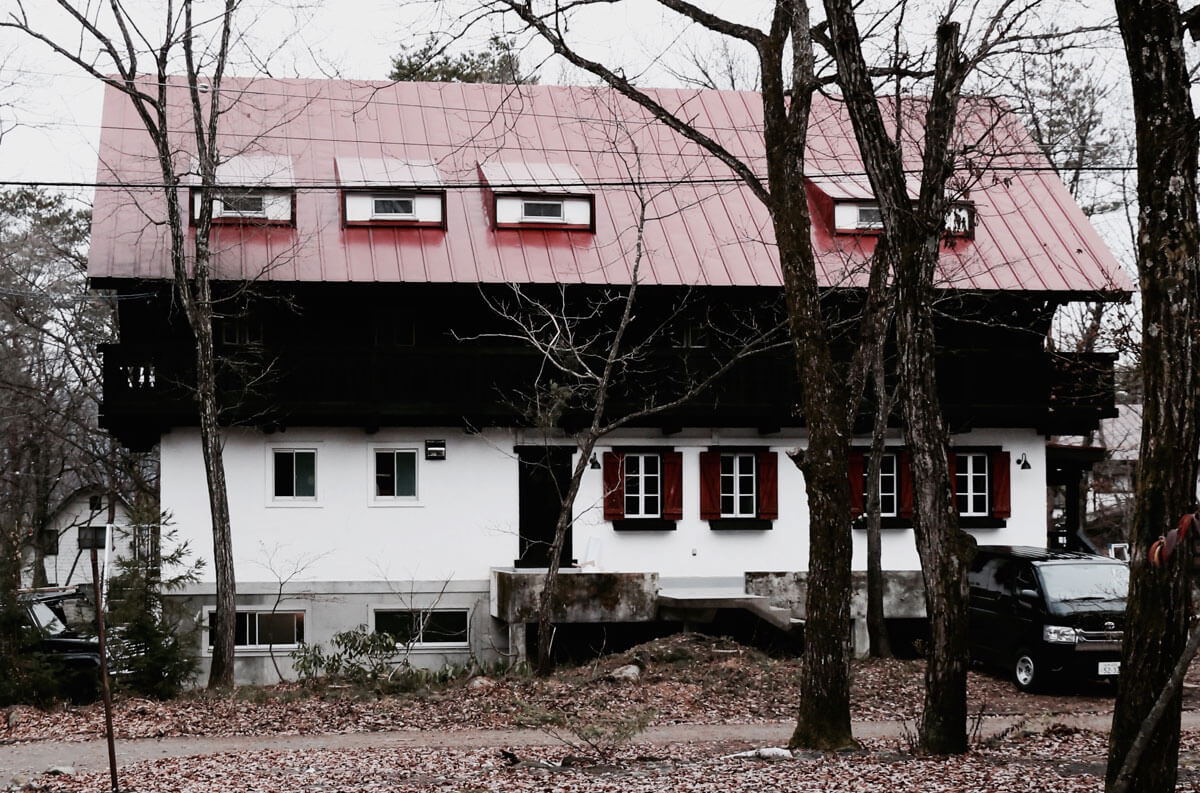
[1168, 242]
[880, 646]
[544, 665]
[912, 243]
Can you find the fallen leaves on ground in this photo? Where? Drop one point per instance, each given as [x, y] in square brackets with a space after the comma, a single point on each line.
[1049, 763]
[688, 679]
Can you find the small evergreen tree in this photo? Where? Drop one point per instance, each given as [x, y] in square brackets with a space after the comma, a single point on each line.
[151, 651]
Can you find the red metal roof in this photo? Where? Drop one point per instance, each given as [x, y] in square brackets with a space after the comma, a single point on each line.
[705, 227]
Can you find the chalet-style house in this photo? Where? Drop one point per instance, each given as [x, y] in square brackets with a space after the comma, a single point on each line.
[367, 239]
[62, 561]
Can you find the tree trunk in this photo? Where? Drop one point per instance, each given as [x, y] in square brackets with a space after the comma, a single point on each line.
[194, 292]
[1159, 602]
[565, 516]
[912, 242]
[880, 646]
[221, 671]
[945, 551]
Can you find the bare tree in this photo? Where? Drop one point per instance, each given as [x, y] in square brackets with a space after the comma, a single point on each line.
[596, 356]
[913, 233]
[1168, 250]
[833, 385]
[200, 49]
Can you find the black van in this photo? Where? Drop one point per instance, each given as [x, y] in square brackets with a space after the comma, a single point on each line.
[1040, 613]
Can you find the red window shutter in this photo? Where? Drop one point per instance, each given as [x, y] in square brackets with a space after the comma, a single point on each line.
[904, 463]
[768, 485]
[710, 485]
[672, 485]
[1001, 485]
[856, 466]
[614, 486]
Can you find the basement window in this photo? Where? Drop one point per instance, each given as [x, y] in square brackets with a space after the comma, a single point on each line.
[414, 627]
[263, 629]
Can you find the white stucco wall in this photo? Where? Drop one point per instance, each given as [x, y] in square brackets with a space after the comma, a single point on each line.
[464, 519]
[1027, 526]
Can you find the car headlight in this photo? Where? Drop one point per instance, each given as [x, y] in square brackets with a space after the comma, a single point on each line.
[1057, 634]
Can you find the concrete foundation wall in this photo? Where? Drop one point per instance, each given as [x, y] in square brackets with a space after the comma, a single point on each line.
[903, 592]
[578, 597]
[332, 607]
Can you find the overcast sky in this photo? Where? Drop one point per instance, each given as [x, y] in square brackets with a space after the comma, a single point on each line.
[56, 108]
[50, 110]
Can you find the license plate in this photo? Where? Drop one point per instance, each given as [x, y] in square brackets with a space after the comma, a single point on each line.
[1109, 668]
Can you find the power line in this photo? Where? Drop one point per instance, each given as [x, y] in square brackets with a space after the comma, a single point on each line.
[321, 185]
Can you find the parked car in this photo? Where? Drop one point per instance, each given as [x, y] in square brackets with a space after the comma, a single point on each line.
[75, 657]
[1041, 614]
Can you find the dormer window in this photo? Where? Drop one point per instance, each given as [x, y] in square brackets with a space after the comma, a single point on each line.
[390, 192]
[862, 216]
[857, 216]
[538, 195]
[252, 189]
[541, 210]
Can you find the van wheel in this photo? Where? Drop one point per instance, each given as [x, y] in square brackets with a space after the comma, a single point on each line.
[1027, 673]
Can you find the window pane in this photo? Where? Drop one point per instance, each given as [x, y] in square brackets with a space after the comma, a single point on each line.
[542, 209]
[233, 203]
[397, 624]
[746, 505]
[393, 206]
[652, 505]
[306, 474]
[445, 626]
[633, 465]
[726, 504]
[406, 473]
[385, 474]
[726, 464]
[285, 475]
[277, 628]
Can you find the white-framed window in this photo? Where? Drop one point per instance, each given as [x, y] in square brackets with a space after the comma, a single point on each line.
[971, 483]
[739, 486]
[394, 472]
[423, 627]
[245, 204]
[393, 207]
[889, 484]
[255, 629]
[541, 209]
[293, 474]
[643, 485]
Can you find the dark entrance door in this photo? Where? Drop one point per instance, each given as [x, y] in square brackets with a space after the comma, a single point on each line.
[544, 473]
